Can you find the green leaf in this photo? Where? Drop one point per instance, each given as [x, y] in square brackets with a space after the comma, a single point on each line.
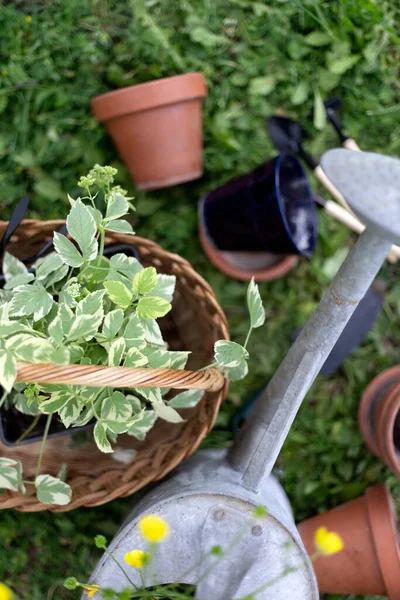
[341, 65]
[44, 267]
[18, 280]
[67, 251]
[85, 326]
[117, 206]
[116, 408]
[134, 334]
[29, 348]
[262, 86]
[70, 411]
[207, 38]
[112, 324]
[56, 401]
[301, 93]
[92, 303]
[152, 331]
[8, 370]
[166, 412]
[12, 266]
[143, 422]
[123, 268]
[255, 305]
[120, 226]
[236, 373]
[20, 401]
[319, 110]
[61, 324]
[100, 437]
[61, 356]
[145, 281]
[9, 474]
[229, 354]
[152, 307]
[165, 287]
[134, 358]
[187, 399]
[118, 293]
[135, 403]
[51, 490]
[82, 228]
[116, 352]
[31, 299]
[318, 38]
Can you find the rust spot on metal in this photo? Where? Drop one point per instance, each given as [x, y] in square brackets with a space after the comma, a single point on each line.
[339, 301]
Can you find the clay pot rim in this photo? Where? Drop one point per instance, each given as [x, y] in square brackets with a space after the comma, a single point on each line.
[383, 523]
[273, 272]
[386, 415]
[370, 393]
[149, 95]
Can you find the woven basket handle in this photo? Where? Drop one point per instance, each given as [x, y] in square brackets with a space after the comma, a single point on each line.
[210, 380]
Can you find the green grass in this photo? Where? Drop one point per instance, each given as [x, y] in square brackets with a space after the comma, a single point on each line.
[258, 57]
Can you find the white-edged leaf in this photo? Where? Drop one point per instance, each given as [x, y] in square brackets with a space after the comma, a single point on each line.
[229, 354]
[85, 326]
[116, 408]
[152, 331]
[143, 422]
[165, 287]
[45, 266]
[92, 303]
[61, 324]
[60, 356]
[70, 412]
[166, 412]
[111, 325]
[76, 353]
[31, 300]
[152, 394]
[134, 358]
[56, 401]
[186, 399]
[84, 418]
[29, 348]
[67, 251]
[123, 268]
[116, 351]
[236, 373]
[20, 401]
[118, 293]
[18, 280]
[135, 403]
[134, 333]
[255, 305]
[12, 266]
[145, 281]
[120, 226]
[8, 370]
[10, 327]
[116, 427]
[100, 437]
[9, 474]
[319, 110]
[161, 358]
[152, 307]
[51, 490]
[117, 206]
[82, 228]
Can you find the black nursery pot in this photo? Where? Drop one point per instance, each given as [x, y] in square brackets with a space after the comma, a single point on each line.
[13, 423]
[270, 209]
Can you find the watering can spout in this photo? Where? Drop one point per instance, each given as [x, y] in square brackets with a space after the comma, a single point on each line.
[261, 438]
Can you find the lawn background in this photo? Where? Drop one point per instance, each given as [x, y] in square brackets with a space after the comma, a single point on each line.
[258, 58]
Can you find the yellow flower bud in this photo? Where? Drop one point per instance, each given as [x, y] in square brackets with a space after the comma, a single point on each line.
[137, 558]
[5, 592]
[28, 18]
[327, 542]
[154, 529]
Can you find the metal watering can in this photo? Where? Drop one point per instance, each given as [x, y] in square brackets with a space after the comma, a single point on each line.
[211, 497]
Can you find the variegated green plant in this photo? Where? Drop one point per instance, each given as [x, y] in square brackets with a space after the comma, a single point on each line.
[77, 306]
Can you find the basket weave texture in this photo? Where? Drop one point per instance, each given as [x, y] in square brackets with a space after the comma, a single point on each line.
[195, 323]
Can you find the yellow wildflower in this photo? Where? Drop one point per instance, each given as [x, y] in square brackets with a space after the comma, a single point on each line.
[91, 590]
[327, 542]
[154, 529]
[137, 558]
[28, 18]
[4, 72]
[5, 592]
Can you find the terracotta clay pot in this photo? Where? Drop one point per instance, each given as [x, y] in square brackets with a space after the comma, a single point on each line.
[369, 563]
[379, 418]
[263, 266]
[157, 128]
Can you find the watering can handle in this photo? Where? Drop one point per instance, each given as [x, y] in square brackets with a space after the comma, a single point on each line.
[209, 380]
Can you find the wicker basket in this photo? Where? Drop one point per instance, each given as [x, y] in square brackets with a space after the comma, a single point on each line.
[195, 323]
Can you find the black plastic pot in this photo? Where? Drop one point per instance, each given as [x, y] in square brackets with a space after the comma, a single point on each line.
[13, 423]
[270, 209]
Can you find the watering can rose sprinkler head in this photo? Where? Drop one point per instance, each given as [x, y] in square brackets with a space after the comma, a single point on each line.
[371, 184]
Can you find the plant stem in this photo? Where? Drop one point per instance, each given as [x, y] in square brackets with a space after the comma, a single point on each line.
[28, 429]
[46, 432]
[121, 567]
[210, 366]
[247, 338]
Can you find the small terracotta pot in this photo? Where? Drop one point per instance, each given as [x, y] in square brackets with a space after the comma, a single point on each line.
[157, 128]
[379, 418]
[369, 563]
[263, 266]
